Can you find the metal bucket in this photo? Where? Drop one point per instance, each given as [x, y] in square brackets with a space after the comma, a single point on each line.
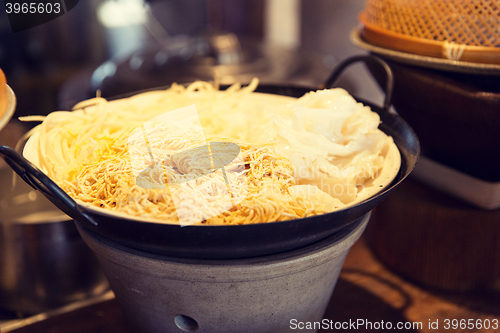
[44, 263]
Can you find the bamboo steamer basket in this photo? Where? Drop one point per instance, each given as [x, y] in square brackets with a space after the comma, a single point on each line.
[445, 57]
[453, 29]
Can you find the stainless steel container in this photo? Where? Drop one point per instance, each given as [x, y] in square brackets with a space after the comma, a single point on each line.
[44, 263]
[263, 294]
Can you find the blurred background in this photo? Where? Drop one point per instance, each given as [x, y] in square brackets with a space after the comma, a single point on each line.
[119, 46]
[116, 47]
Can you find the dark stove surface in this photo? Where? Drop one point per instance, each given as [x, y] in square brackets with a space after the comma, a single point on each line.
[11, 321]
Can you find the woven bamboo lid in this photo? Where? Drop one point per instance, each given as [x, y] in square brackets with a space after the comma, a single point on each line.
[452, 29]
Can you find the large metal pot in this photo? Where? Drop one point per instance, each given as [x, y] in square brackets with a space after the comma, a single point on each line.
[231, 241]
[44, 263]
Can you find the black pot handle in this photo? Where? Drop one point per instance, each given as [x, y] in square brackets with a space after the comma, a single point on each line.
[366, 59]
[40, 181]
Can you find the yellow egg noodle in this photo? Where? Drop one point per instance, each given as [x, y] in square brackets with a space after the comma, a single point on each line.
[298, 157]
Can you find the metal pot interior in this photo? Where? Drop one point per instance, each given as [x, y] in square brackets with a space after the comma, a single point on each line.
[244, 241]
[240, 241]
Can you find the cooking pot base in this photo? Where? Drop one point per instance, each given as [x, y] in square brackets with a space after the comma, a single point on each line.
[264, 294]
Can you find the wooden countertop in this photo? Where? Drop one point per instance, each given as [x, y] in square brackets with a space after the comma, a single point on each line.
[366, 290]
